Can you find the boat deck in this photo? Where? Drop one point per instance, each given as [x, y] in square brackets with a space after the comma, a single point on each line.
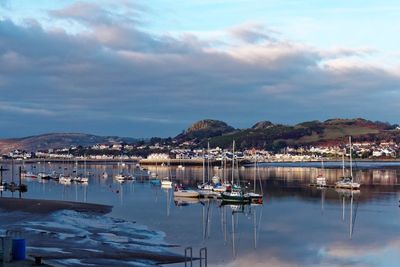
[333, 186]
[210, 194]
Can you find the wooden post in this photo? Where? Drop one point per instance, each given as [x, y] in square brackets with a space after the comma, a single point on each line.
[20, 178]
[1, 175]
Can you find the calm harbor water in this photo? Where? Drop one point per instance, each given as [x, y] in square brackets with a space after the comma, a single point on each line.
[297, 225]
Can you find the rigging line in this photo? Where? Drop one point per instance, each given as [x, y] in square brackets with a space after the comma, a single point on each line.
[355, 216]
[206, 220]
[259, 222]
[261, 185]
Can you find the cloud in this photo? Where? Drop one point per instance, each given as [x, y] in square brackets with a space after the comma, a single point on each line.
[253, 33]
[113, 66]
[29, 110]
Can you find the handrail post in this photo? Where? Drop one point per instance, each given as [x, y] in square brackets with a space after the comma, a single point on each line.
[190, 250]
[203, 255]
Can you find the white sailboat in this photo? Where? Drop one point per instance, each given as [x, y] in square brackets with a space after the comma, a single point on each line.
[254, 196]
[166, 181]
[28, 175]
[83, 178]
[64, 179]
[320, 180]
[184, 192]
[120, 177]
[206, 186]
[236, 194]
[348, 182]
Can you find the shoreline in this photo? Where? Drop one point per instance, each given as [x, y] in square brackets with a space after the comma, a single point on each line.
[177, 162]
[41, 206]
[52, 228]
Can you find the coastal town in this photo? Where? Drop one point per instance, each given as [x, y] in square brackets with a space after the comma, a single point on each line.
[185, 152]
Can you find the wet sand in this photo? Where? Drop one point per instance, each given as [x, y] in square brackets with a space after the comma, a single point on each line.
[48, 206]
[67, 233]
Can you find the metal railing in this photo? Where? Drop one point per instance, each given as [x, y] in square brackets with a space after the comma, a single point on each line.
[190, 250]
[203, 257]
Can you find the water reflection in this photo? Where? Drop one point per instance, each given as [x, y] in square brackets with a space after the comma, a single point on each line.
[298, 225]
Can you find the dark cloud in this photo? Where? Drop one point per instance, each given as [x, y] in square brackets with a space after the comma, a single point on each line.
[113, 78]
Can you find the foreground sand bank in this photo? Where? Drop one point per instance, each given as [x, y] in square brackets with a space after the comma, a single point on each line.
[48, 206]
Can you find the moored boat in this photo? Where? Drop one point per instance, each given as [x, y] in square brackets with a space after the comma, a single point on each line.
[155, 181]
[320, 180]
[166, 182]
[28, 175]
[65, 180]
[348, 182]
[185, 192]
[235, 196]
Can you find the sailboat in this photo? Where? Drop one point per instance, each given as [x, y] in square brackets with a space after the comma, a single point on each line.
[348, 182]
[154, 177]
[84, 178]
[254, 196]
[206, 186]
[221, 186]
[320, 180]
[236, 195]
[184, 192]
[27, 174]
[43, 174]
[64, 179]
[166, 181]
[120, 177]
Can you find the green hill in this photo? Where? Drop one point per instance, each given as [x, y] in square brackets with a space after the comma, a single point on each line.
[267, 135]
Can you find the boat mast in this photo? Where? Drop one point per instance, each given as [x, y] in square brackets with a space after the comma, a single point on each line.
[322, 167]
[351, 160]
[233, 160]
[204, 168]
[208, 161]
[344, 151]
[255, 173]
[224, 170]
[255, 227]
[351, 215]
[84, 166]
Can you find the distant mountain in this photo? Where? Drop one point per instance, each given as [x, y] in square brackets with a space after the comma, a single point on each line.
[58, 140]
[205, 129]
[263, 135]
[334, 131]
[262, 125]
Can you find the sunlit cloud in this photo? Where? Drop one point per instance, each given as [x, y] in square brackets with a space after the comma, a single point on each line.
[111, 64]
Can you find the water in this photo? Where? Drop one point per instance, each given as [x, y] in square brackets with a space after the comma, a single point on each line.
[296, 226]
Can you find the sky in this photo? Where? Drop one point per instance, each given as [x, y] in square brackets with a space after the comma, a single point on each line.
[152, 68]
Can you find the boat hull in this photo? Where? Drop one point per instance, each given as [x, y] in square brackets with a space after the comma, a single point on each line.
[353, 186]
[226, 197]
[166, 183]
[186, 194]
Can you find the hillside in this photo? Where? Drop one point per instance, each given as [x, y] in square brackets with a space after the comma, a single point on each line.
[334, 131]
[263, 135]
[58, 140]
[205, 129]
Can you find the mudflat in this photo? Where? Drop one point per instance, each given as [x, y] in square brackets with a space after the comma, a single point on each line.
[40, 206]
